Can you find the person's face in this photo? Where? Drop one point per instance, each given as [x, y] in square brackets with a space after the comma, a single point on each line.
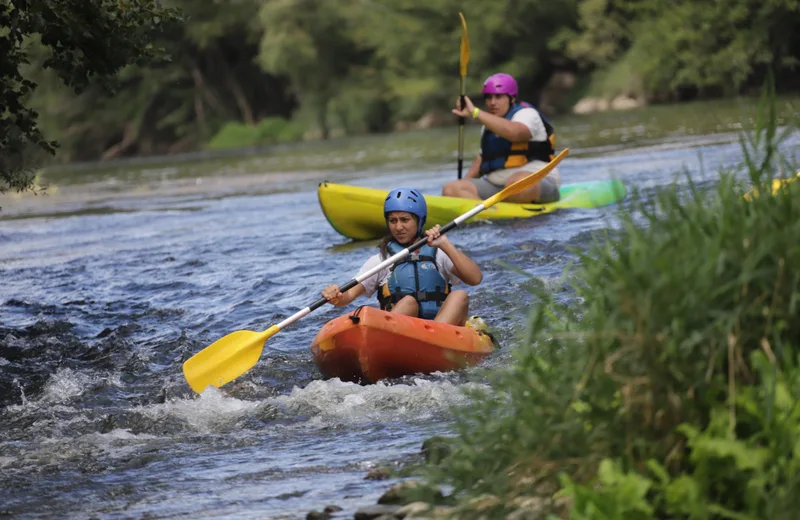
[402, 226]
[498, 104]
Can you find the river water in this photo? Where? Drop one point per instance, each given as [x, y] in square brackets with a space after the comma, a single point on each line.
[103, 299]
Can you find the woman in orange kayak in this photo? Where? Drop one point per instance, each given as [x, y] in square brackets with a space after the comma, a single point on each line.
[420, 284]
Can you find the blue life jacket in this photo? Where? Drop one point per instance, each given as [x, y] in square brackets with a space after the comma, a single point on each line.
[415, 275]
[498, 153]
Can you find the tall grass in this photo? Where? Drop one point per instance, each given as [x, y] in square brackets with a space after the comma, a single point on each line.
[670, 389]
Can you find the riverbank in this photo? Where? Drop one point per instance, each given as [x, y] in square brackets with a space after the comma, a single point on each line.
[258, 171]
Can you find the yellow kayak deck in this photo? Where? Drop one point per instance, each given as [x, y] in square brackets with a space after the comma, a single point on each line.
[357, 212]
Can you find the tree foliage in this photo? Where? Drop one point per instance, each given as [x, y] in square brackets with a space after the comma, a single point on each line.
[348, 66]
[308, 41]
[83, 42]
[716, 47]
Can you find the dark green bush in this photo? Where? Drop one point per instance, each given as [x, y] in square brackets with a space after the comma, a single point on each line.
[670, 389]
[271, 130]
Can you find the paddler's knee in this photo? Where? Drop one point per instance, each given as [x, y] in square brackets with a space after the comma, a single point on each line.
[549, 190]
[450, 189]
[407, 305]
[460, 188]
[458, 297]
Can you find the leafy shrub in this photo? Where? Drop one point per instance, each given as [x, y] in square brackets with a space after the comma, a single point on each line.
[670, 388]
[234, 135]
[271, 130]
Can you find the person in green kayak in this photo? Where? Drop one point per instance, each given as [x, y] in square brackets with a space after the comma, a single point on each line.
[420, 284]
[516, 140]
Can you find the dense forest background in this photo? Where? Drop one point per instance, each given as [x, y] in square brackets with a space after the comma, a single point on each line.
[237, 73]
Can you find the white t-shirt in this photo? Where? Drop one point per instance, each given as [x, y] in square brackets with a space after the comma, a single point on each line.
[531, 118]
[371, 284]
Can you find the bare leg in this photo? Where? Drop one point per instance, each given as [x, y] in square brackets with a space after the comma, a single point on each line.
[527, 195]
[407, 306]
[454, 309]
[462, 189]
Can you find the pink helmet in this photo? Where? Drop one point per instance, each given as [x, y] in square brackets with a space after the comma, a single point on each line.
[500, 84]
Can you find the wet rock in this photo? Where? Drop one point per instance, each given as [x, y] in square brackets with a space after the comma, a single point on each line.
[332, 509]
[529, 508]
[436, 448]
[317, 515]
[625, 103]
[378, 474]
[415, 510]
[411, 491]
[443, 512]
[374, 512]
[430, 513]
[484, 502]
[588, 105]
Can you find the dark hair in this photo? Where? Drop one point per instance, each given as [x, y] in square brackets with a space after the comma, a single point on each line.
[384, 247]
[384, 244]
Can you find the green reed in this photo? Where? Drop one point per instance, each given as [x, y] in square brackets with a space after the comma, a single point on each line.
[670, 389]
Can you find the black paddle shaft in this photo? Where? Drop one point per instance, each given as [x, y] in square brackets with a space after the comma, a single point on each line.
[461, 121]
[353, 282]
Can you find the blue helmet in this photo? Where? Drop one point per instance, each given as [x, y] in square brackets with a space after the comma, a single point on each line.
[408, 200]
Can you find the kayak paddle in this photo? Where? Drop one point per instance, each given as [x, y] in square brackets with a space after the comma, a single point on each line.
[233, 355]
[463, 74]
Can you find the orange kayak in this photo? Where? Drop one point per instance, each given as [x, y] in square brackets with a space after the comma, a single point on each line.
[369, 344]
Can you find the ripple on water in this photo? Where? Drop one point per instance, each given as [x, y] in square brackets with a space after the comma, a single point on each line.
[99, 310]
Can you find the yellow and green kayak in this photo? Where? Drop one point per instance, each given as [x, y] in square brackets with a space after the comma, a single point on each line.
[777, 184]
[357, 212]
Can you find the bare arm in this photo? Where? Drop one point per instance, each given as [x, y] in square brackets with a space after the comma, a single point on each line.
[511, 130]
[463, 266]
[340, 299]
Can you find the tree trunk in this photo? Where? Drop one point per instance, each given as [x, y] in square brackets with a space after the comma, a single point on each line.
[322, 117]
[245, 110]
[241, 99]
[214, 102]
[199, 109]
[129, 138]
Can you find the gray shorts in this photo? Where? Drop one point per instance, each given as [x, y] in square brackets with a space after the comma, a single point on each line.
[548, 187]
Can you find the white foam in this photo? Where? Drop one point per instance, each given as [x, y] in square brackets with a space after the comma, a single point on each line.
[334, 402]
[210, 411]
[66, 384]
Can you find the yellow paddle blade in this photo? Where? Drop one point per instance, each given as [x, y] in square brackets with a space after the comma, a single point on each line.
[525, 183]
[464, 46]
[226, 359]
